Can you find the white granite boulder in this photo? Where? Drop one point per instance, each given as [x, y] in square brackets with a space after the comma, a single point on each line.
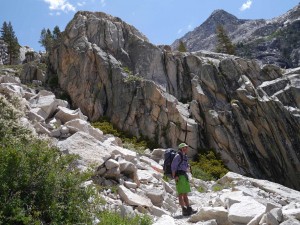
[90, 150]
[207, 213]
[245, 211]
[77, 124]
[132, 198]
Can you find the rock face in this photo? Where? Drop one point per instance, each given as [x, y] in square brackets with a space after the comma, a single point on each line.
[247, 113]
[274, 41]
[137, 178]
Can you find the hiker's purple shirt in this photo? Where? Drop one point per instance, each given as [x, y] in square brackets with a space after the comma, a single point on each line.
[183, 166]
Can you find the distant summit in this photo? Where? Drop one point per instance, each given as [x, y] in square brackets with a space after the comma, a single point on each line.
[275, 41]
[203, 36]
[221, 14]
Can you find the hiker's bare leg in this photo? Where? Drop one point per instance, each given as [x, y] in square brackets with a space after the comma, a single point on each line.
[182, 204]
[181, 200]
[185, 200]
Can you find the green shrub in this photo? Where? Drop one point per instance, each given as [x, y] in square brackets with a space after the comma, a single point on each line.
[18, 68]
[217, 187]
[166, 178]
[113, 188]
[42, 66]
[201, 189]
[208, 167]
[129, 141]
[53, 81]
[106, 127]
[127, 70]
[111, 218]
[132, 78]
[200, 173]
[38, 184]
[10, 130]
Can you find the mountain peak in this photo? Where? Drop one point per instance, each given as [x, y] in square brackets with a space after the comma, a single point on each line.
[205, 31]
[219, 11]
[221, 14]
[259, 38]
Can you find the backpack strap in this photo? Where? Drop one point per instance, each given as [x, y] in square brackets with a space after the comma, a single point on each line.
[181, 172]
[181, 158]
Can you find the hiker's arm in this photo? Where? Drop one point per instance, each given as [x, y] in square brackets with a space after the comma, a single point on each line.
[173, 174]
[174, 165]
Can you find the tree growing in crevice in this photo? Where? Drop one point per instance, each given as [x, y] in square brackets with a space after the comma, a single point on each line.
[48, 39]
[9, 37]
[181, 47]
[224, 44]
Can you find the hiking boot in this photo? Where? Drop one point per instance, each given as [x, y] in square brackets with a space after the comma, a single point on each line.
[190, 210]
[185, 211]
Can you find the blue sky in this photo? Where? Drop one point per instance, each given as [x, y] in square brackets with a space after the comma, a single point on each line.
[162, 21]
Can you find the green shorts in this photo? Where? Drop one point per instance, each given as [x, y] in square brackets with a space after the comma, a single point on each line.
[183, 185]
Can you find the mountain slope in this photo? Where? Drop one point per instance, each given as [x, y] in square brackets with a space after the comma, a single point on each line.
[275, 41]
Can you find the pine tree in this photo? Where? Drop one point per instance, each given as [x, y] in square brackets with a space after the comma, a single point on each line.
[224, 44]
[4, 30]
[181, 47]
[56, 34]
[48, 39]
[9, 37]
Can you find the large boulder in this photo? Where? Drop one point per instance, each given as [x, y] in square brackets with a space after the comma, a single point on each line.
[132, 198]
[89, 150]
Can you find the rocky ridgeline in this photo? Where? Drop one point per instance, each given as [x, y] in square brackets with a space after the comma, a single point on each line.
[141, 188]
[274, 41]
[247, 112]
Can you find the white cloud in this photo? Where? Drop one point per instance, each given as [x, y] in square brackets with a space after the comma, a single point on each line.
[103, 3]
[189, 27]
[80, 4]
[56, 14]
[62, 5]
[179, 31]
[246, 5]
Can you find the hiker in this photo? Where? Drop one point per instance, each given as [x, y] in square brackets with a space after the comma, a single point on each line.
[179, 168]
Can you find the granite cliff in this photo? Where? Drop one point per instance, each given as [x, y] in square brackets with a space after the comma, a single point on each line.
[247, 112]
[132, 183]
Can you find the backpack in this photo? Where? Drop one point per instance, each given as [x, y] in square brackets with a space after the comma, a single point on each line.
[169, 155]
